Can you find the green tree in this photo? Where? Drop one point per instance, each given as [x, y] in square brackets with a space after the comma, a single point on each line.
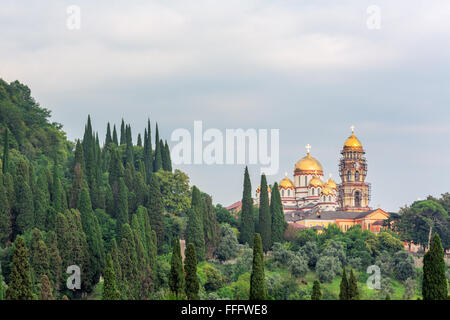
[54, 260]
[258, 289]
[211, 227]
[5, 160]
[110, 291]
[155, 209]
[316, 293]
[194, 227]
[190, 268]
[228, 246]
[46, 289]
[176, 275]
[434, 285]
[121, 206]
[5, 217]
[265, 220]
[157, 161]
[20, 286]
[24, 205]
[115, 139]
[247, 226]
[344, 287]
[168, 158]
[276, 210]
[353, 291]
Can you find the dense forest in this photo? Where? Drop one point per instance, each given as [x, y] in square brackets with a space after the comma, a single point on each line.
[118, 210]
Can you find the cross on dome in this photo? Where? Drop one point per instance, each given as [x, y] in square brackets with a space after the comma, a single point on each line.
[308, 148]
[353, 128]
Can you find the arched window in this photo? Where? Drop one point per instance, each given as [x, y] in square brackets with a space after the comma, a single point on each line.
[312, 191]
[357, 199]
[306, 181]
[329, 198]
[282, 193]
[357, 176]
[349, 174]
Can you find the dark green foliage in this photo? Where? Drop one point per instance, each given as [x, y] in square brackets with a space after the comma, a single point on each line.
[176, 276]
[46, 289]
[194, 228]
[56, 191]
[5, 159]
[128, 263]
[5, 217]
[115, 139]
[121, 206]
[123, 138]
[157, 161]
[168, 158]
[434, 285]
[20, 286]
[316, 293]
[54, 260]
[41, 202]
[148, 152]
[24, 210]
[108, 138]
[211, 227]
[258, 289]
[110, 291]
[190, 268]
[276, 210]
[265, 220]
[38, 256]
[155, 209]
[344, 292]
[228, 246]
[247, 226]
[353, 292]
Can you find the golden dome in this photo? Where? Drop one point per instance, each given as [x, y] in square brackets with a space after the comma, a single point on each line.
[327, 191]
[316, 182]
[286, 183]
[308, 164]
[258, 190]
[352, 141]
[331, 184]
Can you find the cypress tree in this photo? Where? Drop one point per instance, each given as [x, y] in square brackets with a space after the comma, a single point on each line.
[265, 220]
[139, 140]
[110, 291]
[108, 138]
[157, 161]
[114, 138]
[190, 268]
[20, 286]
[176, 276]
[276, 209]
[165, 164]
[316, 293]
[63, 238]
[24, 205]
[211, 228]
[155, 209]
[344, 288]
[46, 289]
[56, 192]
[5, 217]
[41, 201]
[77, 184]
[5, 160]
[168, 158]
[89, 153]
[2, 286]
[123, 139]
[128, 262]
[434, 285]
[121, 206]
[247, 224]
[115, 255]
[258, 289]
[54, 260]
[353, 292]
[148, 152]
[194, 227]
[129, 155]
[38, 256]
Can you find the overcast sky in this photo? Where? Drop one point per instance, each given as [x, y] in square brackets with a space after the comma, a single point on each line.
[309, 68]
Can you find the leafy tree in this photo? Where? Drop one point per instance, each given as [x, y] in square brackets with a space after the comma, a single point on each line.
[175, 191]
[247, 226]
[276, 211]
[316, 293]
[434, 285]
[409, 285]
[265, 220]
[298, 265]
[20, 286]
[213, 279]
[46, 289]
[327, 268]
[190, 268]
[155, 209]
[344, 287]
[176, 276]
[228, 247]
[258, 289]
[403, 266]
[110, 291]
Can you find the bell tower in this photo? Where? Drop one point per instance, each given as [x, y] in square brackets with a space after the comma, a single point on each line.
[354, 192]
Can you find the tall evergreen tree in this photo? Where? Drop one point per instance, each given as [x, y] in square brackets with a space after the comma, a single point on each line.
[434, 285]
[123, 138]
[114, 138]
[110, 291]
[54, 260]
[247, 224]
[46, 289]
[56, 190]
[265, 220]
[24, 206]
[276, 210]
[121, 206]
[148, 152]
[5, 159]
[20, 286]
[258, 289]
[157, 161]
[5, 217]
[190, 268]
[41, 201]
[194, 228]
[165, 164]
[155, 209]
[176, 275]
[211, 228]
[344, 288]
[108, 138]
[38, 257]
[128, 262]
[168, 158]
[129, 154]
[139, 140]
[316, 293]
[77, 176]
[2, 286]
[353, 292]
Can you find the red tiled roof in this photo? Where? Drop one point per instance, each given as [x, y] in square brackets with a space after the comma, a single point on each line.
[234, 205]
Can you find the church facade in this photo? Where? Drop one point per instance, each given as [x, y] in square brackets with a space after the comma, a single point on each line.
[310, 201]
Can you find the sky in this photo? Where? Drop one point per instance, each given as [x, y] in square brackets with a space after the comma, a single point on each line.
[308, 68]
